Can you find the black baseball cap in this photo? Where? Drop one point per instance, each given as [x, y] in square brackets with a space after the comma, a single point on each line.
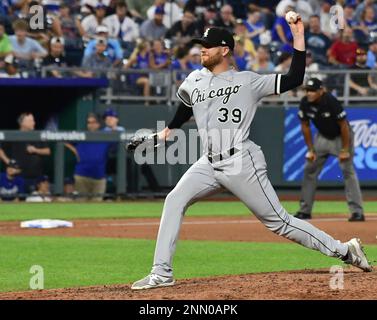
[216, 37]
[313, 84]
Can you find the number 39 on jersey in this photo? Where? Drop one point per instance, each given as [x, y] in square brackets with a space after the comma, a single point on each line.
[226, 114]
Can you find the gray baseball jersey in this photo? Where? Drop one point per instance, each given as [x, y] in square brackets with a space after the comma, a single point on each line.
[224, 105]
[227, 103]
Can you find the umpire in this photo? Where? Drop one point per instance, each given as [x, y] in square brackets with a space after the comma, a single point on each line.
[334, 137]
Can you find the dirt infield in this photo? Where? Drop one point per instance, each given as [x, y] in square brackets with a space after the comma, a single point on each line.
[243, 228]
[308, 284]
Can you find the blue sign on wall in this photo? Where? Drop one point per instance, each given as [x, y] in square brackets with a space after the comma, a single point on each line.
[364, 124]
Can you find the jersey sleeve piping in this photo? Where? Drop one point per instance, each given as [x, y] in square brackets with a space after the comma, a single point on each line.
[188, 104]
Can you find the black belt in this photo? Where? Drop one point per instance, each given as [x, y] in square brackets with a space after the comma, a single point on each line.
[222, 156]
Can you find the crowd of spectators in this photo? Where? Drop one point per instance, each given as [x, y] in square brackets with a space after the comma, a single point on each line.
[24, 177]
[155, 34]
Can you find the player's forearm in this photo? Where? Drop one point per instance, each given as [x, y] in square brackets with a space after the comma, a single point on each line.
[295, 75]
[299, 42]
[182, 115]
[305, 127]
[345, 135]
[164, 134]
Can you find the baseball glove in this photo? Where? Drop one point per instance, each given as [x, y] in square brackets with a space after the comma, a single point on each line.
[149, 140]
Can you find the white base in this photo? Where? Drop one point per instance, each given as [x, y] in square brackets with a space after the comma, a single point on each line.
[46, 224]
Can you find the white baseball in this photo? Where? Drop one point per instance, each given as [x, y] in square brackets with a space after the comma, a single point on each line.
[291, 16]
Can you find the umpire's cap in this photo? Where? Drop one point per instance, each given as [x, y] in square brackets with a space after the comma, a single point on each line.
[216, 37]
[313, 84]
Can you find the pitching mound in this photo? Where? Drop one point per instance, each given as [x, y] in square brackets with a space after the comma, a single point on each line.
[306, 284]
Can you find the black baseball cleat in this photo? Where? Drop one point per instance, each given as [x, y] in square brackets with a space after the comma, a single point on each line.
[356, 217]
[303, 216]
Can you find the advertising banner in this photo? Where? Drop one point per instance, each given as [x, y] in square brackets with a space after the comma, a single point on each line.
[364, 124]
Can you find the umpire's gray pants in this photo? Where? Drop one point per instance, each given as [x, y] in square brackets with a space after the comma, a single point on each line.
[324, 148]
[252, 187]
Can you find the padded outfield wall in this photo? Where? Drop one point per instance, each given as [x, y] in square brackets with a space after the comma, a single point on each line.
[277, 130]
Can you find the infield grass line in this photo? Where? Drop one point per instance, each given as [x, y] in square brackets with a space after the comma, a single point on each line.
[151, 209]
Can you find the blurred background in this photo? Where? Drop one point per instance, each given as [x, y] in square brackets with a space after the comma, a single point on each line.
[107, 68]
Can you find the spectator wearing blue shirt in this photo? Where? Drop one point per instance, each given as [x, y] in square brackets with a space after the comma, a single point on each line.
[97, 60]
[181, 63]
[349, 14]
[11, 183]
[241, 57]
[159, 59]
[368, 24]
[281, 31]
[360, 7]
[140, 59]
[90, 170]
[267, 9]
[25, 49]
[254, 26]
[111, 119]
[113, 50]
[5, 8]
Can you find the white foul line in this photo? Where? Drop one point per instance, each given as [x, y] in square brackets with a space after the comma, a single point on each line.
[125, 224]
[204, 222]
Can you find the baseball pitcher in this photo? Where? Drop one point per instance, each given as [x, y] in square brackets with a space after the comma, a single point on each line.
[224, 100]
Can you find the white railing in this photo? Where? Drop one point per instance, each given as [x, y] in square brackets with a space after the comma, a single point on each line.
[164, 83]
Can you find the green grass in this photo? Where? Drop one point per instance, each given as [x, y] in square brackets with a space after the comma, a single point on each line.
[69, 262]
[25, 211]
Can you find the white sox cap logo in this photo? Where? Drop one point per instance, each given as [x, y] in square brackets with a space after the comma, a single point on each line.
[205, 35]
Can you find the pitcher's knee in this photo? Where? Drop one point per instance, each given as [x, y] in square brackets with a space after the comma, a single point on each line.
[174, 202]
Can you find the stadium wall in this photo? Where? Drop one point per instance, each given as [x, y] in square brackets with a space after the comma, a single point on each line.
[269, 130]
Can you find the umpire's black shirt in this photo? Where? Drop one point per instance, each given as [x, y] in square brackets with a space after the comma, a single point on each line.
[325, 114]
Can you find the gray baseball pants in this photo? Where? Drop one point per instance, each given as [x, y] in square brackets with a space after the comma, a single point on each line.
[249, 182]
[324, 148]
